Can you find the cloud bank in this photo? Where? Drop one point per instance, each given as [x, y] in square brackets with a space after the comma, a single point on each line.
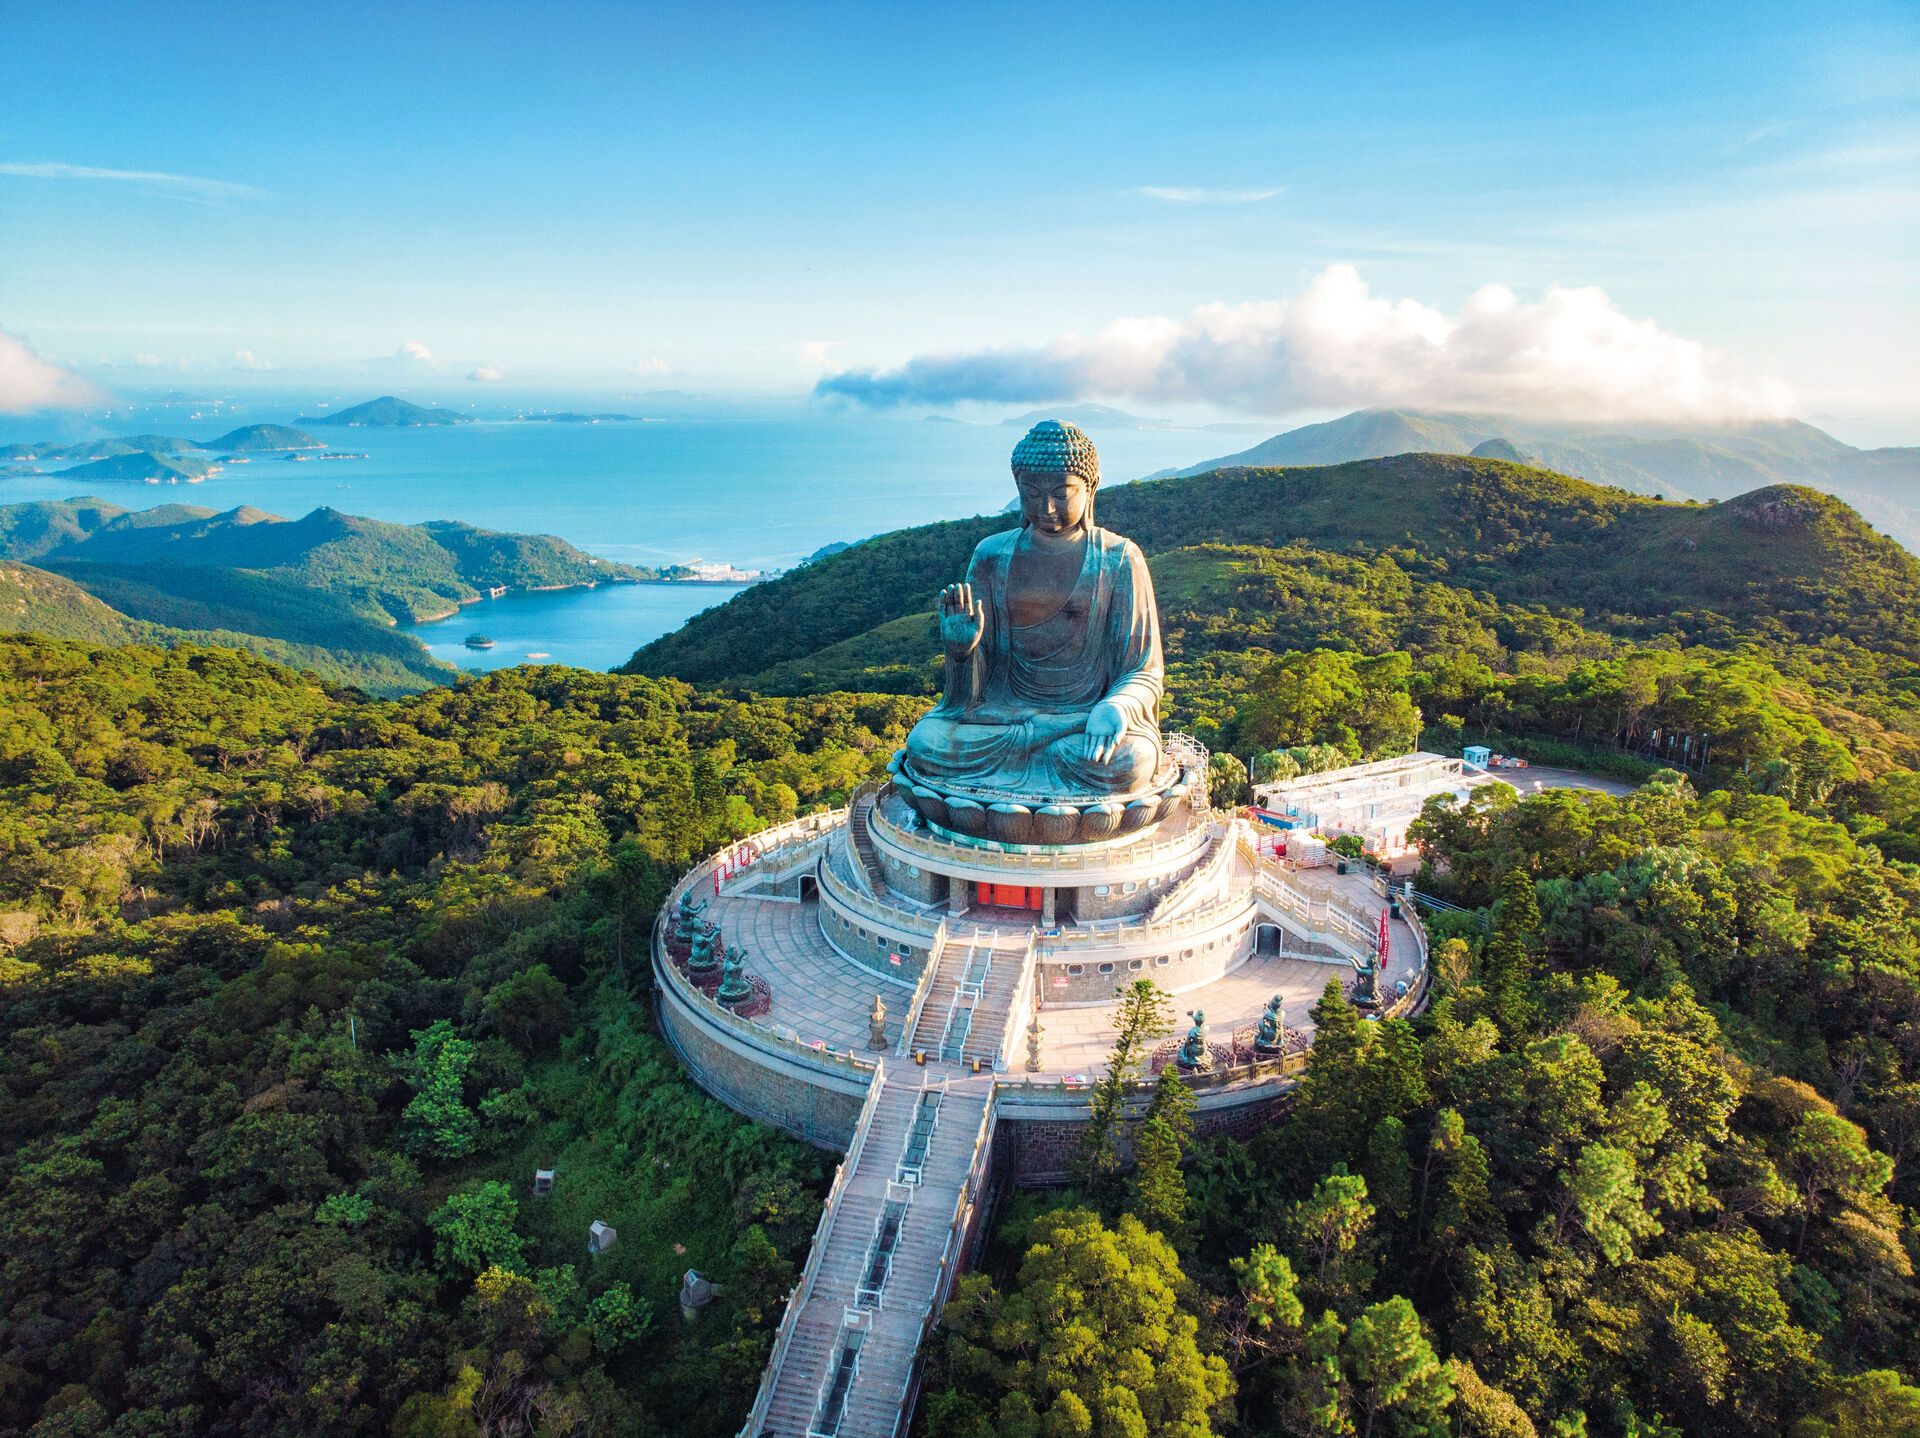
[1572, 354]
[157, 179]
[28, 382]
[486, 374]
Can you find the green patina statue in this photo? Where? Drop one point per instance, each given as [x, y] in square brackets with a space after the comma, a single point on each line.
[1053, 664]
[702, 957]
[1272, 1035]
[1195, 1054]
[734, 988]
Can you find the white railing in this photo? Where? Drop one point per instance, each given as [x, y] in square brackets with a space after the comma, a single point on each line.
[705, 1008]
[1026, 998]
[816, 1255]
[778, 842]
[971, 990]
[1197, 884]
[948, 1266]
[922, 989]
[910, 1173]
[1127, 933]
[894, 915]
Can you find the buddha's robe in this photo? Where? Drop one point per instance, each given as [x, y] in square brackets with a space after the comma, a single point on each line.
[1014, 718]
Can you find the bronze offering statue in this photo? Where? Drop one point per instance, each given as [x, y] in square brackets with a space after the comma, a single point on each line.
[1049, 728]
[1272, 1035]
[734, 988]
[1195, 1055]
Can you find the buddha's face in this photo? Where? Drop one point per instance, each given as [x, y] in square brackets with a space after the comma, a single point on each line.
[1055, 504]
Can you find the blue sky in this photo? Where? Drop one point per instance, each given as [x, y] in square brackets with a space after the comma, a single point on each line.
[604, 196]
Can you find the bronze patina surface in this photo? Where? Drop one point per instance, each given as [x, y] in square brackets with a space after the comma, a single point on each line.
[1053, 670]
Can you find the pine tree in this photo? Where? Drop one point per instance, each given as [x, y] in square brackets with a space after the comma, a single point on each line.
[1507, 966]
[1159, 1197]
[1143, 1016]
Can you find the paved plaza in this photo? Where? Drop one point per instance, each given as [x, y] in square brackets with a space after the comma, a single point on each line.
[821, 996]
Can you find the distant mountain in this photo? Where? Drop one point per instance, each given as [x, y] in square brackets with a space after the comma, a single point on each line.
[386, 572]
[183, 453]
[1663, 460]
[28, 531]
[387, 412]
[1499, 449]
[324, 591]
[568, 417]
[1087, 416]
[145, 467]
[253, 438]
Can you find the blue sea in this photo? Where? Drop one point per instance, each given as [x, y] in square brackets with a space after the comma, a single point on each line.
[755, 492]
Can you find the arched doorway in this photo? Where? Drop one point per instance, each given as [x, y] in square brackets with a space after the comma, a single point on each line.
[1266, 938]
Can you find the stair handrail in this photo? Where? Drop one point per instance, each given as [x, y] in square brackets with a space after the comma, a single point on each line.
[1176, 898]
[1026, 1001]
[935, 952]
[816, 1255]
[944, 1272]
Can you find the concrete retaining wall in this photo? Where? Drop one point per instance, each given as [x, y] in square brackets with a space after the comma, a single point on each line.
[814, 1104]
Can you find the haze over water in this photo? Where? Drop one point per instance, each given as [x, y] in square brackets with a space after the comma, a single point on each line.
[758, 493]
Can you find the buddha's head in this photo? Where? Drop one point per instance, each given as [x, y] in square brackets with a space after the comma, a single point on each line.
[1057, 471]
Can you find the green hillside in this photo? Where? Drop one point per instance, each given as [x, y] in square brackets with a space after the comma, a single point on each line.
[384, 572]
[252, 438]
[387, 412]
[34, 601]
[1772, 567]
[322, 592]
[143, 467]
[28, 531]
[264, 614]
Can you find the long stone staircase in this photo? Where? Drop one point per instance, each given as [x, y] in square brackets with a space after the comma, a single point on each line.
[890, 1245]
[973, 991]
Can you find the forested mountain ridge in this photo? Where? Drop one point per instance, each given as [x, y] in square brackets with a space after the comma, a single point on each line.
[1506, 561]
[1675, 461]
[322, 592]
[387, 572]
[1770, 560]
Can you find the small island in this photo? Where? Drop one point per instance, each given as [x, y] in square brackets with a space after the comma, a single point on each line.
[477, 641]
[388, 412]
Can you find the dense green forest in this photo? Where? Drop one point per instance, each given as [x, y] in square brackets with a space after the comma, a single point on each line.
[299, 989]
[300, 986]
[1647, 1167]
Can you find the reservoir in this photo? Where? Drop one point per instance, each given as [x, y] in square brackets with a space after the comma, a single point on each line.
[596, 628]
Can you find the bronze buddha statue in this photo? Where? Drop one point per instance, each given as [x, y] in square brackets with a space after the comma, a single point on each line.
[1053, 663]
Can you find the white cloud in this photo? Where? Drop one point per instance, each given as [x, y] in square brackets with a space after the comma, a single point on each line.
[28, 382]
[247, 359]
[1573, 353]
[486, 374]
[413, 357]
[1190, 195]
[183, 185]
[651, 365]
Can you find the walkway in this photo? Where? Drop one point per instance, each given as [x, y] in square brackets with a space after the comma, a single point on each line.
[885, 1262]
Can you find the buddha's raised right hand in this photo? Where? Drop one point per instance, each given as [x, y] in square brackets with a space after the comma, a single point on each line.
[963, 619]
